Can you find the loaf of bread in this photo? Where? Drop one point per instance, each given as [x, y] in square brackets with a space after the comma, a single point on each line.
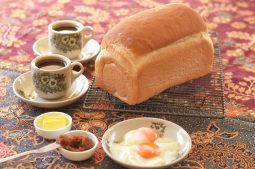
[153, 50]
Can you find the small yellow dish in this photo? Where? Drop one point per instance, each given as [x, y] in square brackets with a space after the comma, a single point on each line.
[52, 124]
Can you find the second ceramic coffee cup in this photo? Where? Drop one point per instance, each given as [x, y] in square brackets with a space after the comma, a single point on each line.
[53, 75]
[67, 37]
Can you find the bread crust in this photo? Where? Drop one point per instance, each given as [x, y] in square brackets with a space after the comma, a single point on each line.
[155, 28]
[134, 72]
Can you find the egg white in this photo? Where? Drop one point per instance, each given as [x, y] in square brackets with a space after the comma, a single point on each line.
[126, 151]
[128, 154]
[134, 137]
[169, 149]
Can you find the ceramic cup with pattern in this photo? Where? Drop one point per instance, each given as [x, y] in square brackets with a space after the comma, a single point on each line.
[68, 37]
[53, 74]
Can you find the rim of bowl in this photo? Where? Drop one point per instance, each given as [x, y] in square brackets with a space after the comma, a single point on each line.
[109, 130]
[54, 112]
[95, 141]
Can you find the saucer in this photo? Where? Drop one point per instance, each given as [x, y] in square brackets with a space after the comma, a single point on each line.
[89, 52]
[23, 88]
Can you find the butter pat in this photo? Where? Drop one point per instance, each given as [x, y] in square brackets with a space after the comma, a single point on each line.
[54, 122]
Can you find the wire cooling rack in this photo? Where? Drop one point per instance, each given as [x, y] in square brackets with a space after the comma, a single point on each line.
[203, 97]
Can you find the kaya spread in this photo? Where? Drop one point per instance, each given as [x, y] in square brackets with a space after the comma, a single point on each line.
[54, 122]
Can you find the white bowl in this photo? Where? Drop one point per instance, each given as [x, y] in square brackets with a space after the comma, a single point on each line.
[51, 134]
[83, 155]
[163, 127]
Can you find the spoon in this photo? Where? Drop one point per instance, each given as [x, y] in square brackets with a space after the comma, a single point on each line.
[40, 150]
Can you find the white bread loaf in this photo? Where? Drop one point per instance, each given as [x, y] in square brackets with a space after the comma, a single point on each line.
[153, 50]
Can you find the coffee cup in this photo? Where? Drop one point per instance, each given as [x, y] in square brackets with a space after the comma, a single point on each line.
[53, 75]
[68, 37]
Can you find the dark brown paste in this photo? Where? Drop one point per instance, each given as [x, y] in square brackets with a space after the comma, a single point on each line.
[75, 143]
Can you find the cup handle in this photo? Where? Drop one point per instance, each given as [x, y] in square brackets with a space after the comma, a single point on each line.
[74, 73]
[88, 33]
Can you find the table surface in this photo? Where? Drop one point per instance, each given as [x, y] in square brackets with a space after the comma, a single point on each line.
[217, 143]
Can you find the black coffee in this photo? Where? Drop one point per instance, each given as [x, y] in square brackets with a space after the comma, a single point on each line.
[66, 29]
[51, 64]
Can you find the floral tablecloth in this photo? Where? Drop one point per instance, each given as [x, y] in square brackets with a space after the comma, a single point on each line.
[217, 143]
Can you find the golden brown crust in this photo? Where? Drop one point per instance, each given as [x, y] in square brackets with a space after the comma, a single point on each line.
[175, 67]
[159, 57]
[154, 28]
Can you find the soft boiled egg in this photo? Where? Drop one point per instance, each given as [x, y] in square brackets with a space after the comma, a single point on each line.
[144, 147]
[141, 135]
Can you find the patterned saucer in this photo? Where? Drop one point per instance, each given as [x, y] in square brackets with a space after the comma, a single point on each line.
[23, 88]
[89, 52]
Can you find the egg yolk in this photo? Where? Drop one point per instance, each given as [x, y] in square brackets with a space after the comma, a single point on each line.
[148, 150]
[151, 134]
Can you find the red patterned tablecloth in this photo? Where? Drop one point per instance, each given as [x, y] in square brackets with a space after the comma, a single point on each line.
[23, 22]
